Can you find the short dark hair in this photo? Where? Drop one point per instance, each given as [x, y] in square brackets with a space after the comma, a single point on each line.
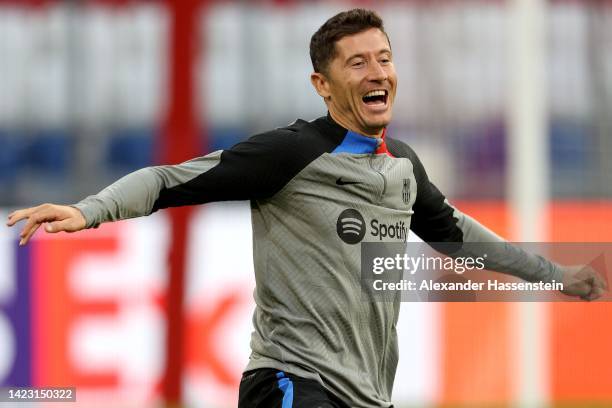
[323, 42]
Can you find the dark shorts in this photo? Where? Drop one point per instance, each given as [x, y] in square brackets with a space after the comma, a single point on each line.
[270, 388]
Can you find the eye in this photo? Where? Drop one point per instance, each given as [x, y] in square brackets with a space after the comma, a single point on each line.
[358, 64]
[385, 61]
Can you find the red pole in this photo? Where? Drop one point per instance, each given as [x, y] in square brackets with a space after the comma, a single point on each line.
[179, 142]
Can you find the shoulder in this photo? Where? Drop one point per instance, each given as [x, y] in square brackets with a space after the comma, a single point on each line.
[290, 134]
[298, 138]
[400, 149]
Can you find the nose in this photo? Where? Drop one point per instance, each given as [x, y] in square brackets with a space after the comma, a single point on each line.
[376, 72]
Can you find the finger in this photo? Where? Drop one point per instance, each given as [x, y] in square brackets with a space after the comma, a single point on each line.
[19, 215]
[595, 294]
[588, 297]
[600, 282]
[580, 288]
[30, 223]
[24, 240]
[12, 218]
[592, 278]
[34, 221]
[27, 227]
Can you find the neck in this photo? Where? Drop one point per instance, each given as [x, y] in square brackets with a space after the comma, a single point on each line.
[346, 124]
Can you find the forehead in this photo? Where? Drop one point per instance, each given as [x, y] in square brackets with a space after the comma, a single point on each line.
[365, 42]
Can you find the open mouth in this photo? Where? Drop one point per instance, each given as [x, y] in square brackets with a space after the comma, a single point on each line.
[377, 97]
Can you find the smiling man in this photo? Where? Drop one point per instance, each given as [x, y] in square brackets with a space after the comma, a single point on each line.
[317, 190]
[355, 75]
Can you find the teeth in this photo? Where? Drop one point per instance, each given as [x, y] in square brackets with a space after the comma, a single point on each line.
[376, 93]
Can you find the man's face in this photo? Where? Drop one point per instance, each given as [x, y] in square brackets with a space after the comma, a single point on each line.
[360, 83]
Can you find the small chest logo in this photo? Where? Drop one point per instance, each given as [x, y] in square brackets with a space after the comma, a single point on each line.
[341, 182]
[406, 191]
[351, 226]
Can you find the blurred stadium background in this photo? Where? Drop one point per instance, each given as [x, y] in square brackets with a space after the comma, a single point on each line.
[508, 103]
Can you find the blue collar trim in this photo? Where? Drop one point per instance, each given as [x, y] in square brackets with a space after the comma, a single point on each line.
[357, 144]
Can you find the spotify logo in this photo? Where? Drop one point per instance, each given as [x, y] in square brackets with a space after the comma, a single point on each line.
[351, 226]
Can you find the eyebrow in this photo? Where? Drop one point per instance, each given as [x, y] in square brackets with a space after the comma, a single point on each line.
[359, 54]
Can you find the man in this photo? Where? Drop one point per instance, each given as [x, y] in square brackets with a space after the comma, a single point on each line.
[315, 343]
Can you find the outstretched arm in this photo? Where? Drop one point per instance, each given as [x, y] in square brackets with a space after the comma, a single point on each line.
[134, 195]
[439, 223]
[254, 169]
[579, 280]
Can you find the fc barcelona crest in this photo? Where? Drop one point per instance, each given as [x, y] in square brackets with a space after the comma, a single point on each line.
[406, 191]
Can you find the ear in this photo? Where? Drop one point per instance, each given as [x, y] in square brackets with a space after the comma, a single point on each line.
[321, 84]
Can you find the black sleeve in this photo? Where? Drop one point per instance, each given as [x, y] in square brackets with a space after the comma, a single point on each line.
[433, 218]
[254, 169]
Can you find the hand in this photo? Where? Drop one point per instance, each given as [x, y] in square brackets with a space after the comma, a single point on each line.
[58, 217]
[583, 281]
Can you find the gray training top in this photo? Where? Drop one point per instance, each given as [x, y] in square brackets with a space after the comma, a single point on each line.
[310, 319]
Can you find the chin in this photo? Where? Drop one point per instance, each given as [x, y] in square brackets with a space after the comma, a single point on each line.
[378, 123]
